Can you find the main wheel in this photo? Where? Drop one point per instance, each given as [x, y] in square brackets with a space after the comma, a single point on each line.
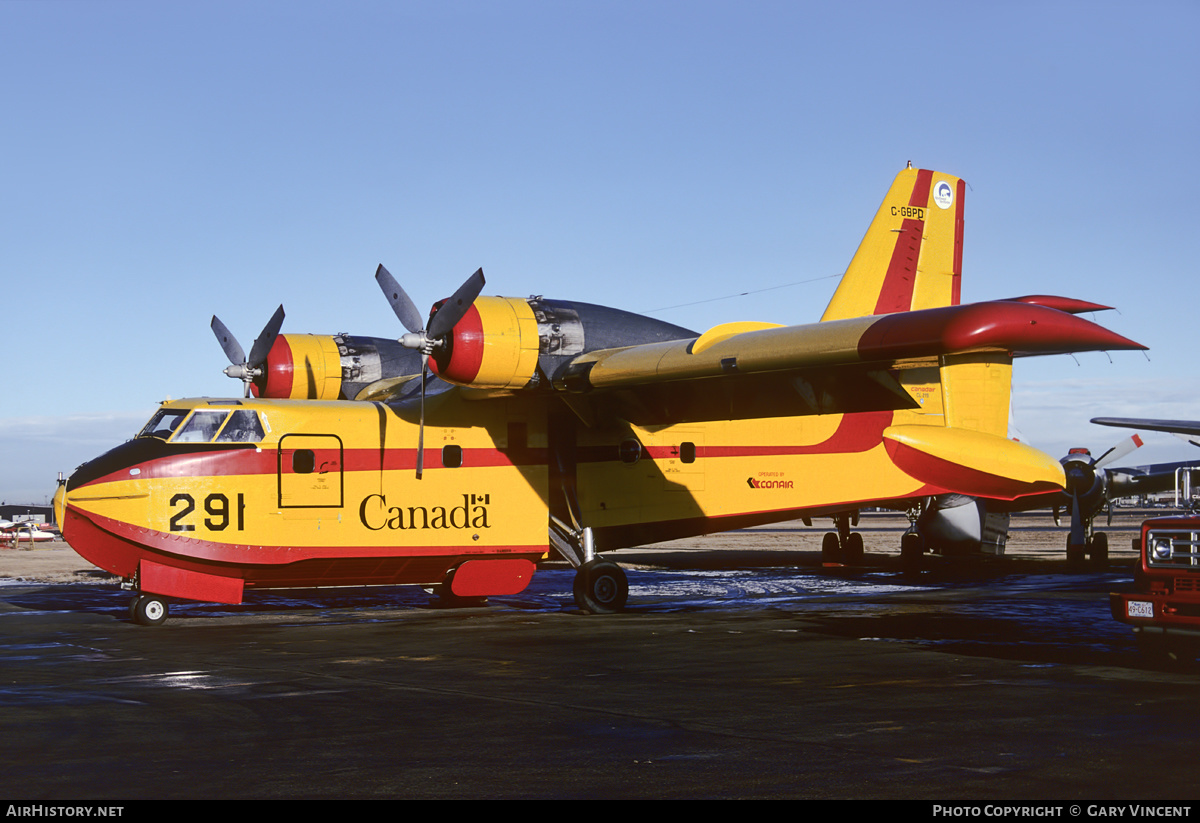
[601, 587]
[150, 610]
[912, 547]
[1076, 552]
[854, 550]
[1098, 550]
[831, 548]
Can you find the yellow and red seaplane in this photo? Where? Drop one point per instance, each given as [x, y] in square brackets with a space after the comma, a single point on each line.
[502, 430]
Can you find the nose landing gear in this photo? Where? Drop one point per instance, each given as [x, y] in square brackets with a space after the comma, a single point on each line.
[148, 610]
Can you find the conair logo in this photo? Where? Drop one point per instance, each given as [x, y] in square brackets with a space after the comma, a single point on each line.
[768, 484]
[943, 195]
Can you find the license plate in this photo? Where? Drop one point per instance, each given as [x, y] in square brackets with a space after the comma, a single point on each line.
[1139, 608]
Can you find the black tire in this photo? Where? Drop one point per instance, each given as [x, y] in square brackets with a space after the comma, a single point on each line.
[601, 587]
[1076, 552]
[133, 605]
[150, 610]
[1098, 550]
[854, 550]
[912, 550]
[831, 548]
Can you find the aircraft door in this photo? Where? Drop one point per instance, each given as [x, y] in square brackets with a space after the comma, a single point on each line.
[310, 471]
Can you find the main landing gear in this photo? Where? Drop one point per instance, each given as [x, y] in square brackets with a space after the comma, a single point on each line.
[845, 547]
[601, 586]
[1094, 548]
[912, 545]
[148, 610]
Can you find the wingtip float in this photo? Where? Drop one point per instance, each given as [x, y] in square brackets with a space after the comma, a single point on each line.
[565, 427]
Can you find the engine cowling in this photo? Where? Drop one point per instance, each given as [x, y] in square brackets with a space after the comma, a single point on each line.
[330, 367]
[301, 367]
[502, 342]
[495, 345]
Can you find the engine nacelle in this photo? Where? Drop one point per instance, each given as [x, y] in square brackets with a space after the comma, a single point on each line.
[495, 346]
[330, 367]
[501, 342]
[301, 367]
[1085, 482]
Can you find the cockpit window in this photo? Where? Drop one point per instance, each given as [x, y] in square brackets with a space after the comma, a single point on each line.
[163, 423]
[201, 427]
[243, 427]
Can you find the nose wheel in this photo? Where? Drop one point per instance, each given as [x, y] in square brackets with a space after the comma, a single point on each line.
[148, 610]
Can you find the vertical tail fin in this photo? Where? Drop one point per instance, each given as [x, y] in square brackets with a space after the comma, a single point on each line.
[911, 256]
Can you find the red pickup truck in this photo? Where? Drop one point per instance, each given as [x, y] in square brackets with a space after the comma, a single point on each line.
[1164, 609]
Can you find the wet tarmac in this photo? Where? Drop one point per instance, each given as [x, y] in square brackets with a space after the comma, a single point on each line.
[973, 681]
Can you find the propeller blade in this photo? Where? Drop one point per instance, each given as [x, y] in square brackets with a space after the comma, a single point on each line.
[229, 343]
[266, 339]
[243, 368]
[1118, 451]
[403, 306]
[421, 429]
[427, 337]
[456, 306]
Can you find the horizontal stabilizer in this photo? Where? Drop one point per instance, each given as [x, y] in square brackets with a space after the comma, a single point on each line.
[971, 462]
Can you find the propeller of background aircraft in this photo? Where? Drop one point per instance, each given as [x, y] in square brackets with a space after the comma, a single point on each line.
[248, 369]
[427, 338]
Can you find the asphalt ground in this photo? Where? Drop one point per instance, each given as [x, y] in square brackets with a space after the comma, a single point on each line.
[741, 669]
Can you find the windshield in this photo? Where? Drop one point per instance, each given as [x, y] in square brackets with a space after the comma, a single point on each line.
[243, 427]
[201, 428]
[163, 423]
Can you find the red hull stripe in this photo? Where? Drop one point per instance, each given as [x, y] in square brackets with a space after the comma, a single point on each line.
[242, 555]
[857, 433]
[124, 558]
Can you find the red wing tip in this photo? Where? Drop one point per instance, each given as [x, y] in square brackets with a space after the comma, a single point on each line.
[1070, 305]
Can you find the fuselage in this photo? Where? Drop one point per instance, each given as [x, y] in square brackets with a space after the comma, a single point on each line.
[275, 493]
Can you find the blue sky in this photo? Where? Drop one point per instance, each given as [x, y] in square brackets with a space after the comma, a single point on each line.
[168, 161]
